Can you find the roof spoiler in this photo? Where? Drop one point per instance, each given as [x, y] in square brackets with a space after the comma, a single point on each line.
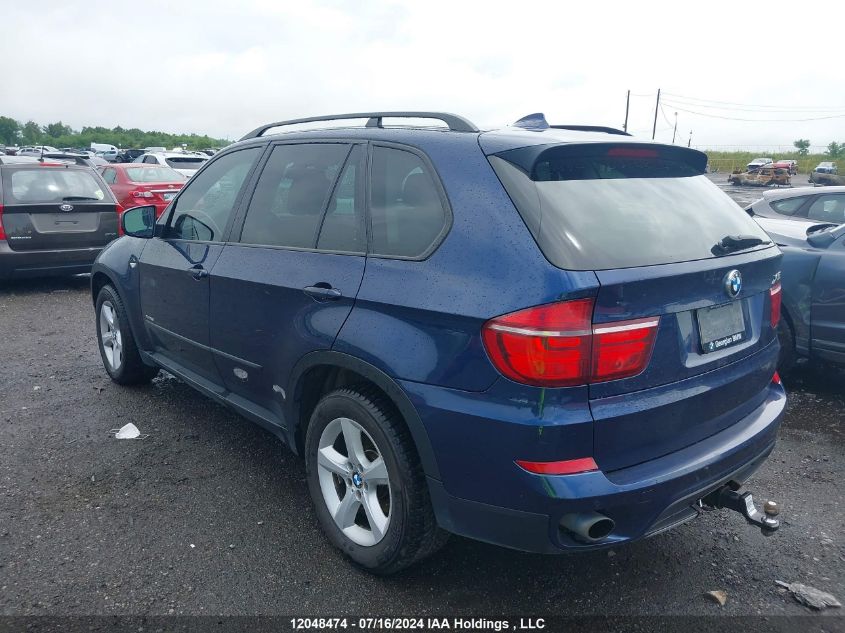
[537, 121]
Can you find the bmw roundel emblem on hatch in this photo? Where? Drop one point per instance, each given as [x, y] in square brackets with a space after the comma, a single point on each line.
[66, 207]
[733, 283]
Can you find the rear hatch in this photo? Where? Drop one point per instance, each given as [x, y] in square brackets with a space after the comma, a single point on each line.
[186, 165]
[663, 242]
[49, 207]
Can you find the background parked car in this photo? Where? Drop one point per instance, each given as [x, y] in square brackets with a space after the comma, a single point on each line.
[757, 163]
[36, 150]
[128, 155]
[813, 285]
[136, 184]
[801, 203]
[765, 176]
[826, 167]
[54, 219]
[183, 162]
[789, 165]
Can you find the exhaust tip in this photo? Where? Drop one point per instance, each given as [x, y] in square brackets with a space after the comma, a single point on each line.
[601, 529]
[589, 527]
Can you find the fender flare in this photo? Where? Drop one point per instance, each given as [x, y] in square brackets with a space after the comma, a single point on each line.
[383, 381]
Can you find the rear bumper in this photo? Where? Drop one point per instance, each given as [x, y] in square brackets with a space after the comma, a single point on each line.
[642, 500]
[20, 264]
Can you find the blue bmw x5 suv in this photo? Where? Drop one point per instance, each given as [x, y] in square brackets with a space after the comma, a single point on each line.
[552, 338]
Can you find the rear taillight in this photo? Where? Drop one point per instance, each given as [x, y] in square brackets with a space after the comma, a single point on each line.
[776, 379]
[2, 230]
[119, 209]
[775, 295]
[557, 345]
[622, 350]
[139, 193]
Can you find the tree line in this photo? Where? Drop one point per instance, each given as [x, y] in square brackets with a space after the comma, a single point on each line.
[58, 134]
[834, 149]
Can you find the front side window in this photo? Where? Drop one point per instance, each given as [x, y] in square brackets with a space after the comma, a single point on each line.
[291, 194]
[110, 176]
[788, 206]
[206, 204]
[407, 212]
[829, 208]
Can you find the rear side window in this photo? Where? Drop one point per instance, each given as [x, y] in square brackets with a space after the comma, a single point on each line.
[343, 224]
[829, 208]
[46, 185]
[294, 187]
[607, 206]
[110, 176]
[406, 209]
[788, 206]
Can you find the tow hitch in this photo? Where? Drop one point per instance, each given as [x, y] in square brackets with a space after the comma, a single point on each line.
[728, 496]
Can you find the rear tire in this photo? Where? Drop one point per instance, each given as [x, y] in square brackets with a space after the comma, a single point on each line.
[117, 345]
[401, 528]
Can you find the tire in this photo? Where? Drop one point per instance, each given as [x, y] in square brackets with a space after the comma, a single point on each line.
[410, 532]
[788, 355]
[118, 349]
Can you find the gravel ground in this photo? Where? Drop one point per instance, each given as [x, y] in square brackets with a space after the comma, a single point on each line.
[210, 514]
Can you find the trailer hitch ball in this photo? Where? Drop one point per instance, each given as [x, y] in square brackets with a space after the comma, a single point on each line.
[729, 497]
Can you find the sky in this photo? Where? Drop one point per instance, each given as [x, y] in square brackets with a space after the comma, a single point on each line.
[223, 68]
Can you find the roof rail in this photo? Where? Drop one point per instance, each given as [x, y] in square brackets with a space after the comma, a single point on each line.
[591, 128]
[455, 122]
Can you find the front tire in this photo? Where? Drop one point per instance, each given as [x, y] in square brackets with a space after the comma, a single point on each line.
[117, 345]
[367, 483]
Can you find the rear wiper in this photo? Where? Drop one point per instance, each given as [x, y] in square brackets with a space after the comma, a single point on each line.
[72, 198]
[732, 243]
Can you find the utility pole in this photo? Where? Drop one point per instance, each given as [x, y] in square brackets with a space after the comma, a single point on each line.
[656, 106]
[627, 105]
[675, 131]
[689, 142]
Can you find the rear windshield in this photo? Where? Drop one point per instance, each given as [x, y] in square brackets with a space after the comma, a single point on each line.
[185, 162]
[47, 184]
[154, 174]
[604, 206]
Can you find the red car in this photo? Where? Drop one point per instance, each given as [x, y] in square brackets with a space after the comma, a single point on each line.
[136, 184]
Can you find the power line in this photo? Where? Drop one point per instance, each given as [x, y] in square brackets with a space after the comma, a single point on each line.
[729, 118]
[753, 105]
[755, 109]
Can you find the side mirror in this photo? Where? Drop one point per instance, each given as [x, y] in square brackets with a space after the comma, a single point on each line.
[139, 221]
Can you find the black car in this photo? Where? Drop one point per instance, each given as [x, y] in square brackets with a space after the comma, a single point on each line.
[55, 218]
[128, 155]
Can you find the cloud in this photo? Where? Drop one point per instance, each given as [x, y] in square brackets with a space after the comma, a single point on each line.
[224, 68]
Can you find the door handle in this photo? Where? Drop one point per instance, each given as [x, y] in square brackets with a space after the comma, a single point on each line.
[323, 292]
[198, 272]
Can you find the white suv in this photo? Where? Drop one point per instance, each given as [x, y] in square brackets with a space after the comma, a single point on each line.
[184, 162]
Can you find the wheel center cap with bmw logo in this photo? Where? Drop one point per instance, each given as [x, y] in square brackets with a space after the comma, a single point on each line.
[733, 283]
[357, 480]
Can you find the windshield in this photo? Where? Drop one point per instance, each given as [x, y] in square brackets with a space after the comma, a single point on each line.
[595, 212]
[46, 184]
[154, 174]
